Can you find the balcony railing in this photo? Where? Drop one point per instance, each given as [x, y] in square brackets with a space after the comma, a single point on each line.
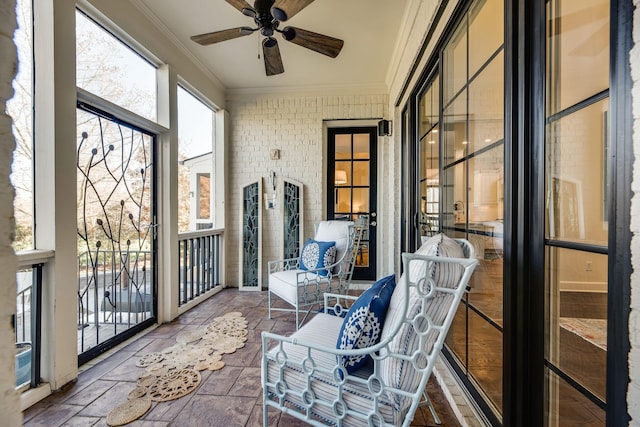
[115, 293]
[200, 261]
[27, 320]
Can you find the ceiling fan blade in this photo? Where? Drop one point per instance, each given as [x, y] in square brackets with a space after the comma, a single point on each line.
[285, 9]
[272, 59]
[326, 45]
[239, 4]
[220, 36]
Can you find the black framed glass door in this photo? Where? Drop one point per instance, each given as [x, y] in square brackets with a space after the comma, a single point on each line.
[351, 189]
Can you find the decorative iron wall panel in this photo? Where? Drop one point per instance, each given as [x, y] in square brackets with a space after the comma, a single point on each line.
[251, 237]
[292, 218]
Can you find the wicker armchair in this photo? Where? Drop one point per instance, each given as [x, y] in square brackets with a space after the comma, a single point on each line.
[303, 375]
[304, 289]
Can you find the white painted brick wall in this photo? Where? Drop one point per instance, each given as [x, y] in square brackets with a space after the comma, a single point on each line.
[293, 124]
[11, 415]
[633, 397]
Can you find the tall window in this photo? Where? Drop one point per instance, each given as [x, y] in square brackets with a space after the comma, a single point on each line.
[195, 168]
[116, 208]
[577, 138]
[20, 108]
[111, 70]
[472, 128]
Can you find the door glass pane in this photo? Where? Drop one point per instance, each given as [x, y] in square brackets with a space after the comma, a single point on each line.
[361, 173]
[457, 337]
[485, 357]
[429, 184]
[429, 107]
[578, 51]
[576, 184]
[567, 407]
[455, 63]
[360, 200]
[342, 173]
[486, 32]
[576, 328]
[343, 146]
[455, 129]
[486, 106]
[361, 145]
[343, 201]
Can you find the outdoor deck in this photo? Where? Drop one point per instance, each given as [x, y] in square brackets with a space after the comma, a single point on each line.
[227, 397]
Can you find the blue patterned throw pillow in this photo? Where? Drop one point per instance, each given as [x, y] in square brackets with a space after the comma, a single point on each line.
[316, 255]
[363, 324]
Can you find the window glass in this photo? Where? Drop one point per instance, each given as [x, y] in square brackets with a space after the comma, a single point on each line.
[111, 70]
[195, 166]
[455, 63]
[486, 32]
[486, 106]
[576, 184]
[578, 51]
[20, 109]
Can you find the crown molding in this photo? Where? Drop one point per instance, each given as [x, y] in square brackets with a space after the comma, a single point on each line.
[301, 91]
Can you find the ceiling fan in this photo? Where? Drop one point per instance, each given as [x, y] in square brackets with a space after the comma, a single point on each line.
[268, 14]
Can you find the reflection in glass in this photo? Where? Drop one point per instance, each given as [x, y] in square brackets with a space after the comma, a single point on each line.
[565, 406]
[576, 148]
[576, 326]
[485, 357]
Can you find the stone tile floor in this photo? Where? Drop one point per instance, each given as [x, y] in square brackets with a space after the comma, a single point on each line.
[227, 397]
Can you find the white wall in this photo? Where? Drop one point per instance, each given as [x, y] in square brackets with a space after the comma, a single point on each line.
[11, 416]
[293, 124]
[633, 397]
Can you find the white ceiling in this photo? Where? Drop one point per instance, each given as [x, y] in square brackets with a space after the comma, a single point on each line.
[369, 29]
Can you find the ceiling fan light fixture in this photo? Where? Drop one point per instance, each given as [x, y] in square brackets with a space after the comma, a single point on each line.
[279, 14]
[249, 12]
[266, 31]
[269, 42]
[289, 33]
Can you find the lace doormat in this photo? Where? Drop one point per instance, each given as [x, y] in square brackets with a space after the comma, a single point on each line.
[175, 371]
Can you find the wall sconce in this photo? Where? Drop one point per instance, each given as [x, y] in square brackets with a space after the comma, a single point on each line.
[384, 127]
[341, 177]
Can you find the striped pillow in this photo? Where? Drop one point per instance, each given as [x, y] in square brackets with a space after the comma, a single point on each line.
[402, 374]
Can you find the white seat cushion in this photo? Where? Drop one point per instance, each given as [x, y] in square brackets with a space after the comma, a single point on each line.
[284, 284]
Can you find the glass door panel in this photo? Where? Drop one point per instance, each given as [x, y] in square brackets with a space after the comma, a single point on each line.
[352, 189]
[116, 231]
[576, 223]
